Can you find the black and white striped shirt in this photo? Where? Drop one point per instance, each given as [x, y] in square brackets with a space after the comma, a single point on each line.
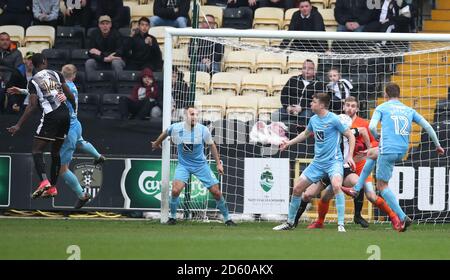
[46, 84]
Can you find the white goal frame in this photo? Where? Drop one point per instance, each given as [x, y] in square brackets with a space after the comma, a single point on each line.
[272, 34]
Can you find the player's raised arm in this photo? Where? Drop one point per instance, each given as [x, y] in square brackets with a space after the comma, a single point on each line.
[351, 147]
[374, 123]
[157, 143]
[300, 138]
[33, 101]
[420, 120]
[365, 135]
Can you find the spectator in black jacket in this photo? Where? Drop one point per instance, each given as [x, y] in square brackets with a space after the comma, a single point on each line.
[296, 96]
[352, 15]
[144, 51]
[114, 9]
[105, 48]
[284, 4]
[204, 53]
[307, 18]
[10, 56]
[16, 12]
[173, 13]
[80, 16]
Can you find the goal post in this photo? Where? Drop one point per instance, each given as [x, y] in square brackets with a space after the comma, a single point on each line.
[420, 67]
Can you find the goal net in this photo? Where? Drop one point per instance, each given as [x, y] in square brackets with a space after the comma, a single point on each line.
[238, 80]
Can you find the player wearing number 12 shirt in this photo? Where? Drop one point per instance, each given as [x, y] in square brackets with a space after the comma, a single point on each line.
[396, 122]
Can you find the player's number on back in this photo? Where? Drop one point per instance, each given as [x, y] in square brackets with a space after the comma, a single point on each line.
[401, 124]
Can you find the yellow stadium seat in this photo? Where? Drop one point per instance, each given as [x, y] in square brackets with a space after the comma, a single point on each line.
[256, 84]
[278, 82]
[240, 61]
[288, 16]
[271, 62]
[296, 60]
[224, 83]
[328, 17]
[242, 108]
[202, 84]
[181, 59]
[40, 34]
[268, 18]
[215, 11]
[211, 109]
[16, 32]
[266, 106]
[138, 11]
[320, 4]
[332, 4]
[256, 41]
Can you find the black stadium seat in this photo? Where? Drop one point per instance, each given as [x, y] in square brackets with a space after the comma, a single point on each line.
[88, 105]
[101, 82]
[110, 106]
[127, 80]
[70, 37]
[56, 58]
[79, 57]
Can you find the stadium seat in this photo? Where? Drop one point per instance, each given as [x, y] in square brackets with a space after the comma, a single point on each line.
[266, 106]
[268, 18]
[127, 80]
[332, 4]
[110, 106]
[181, 59]
[202, 84]
[215, 11]
[242, 108]
[159, 33]
[78, 57]
[320, 4]
[32, 48]
[140, 11]
[287, 17]
[257, 85]
[57, 58]
[256, 41]
[328, 17]
[101, 82]
[40, 34]
[16, 33]
[240, 61]
[211, 109]
[296, 60]
[70, 37]
[88, 105]
[279, 81]
[225, 84]
[274, 63]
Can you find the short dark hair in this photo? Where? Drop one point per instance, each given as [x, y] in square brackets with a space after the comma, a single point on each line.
[144, 19]
[304, 1]
[352, 99]
[392, 90]
[323, 98]
[310, 61]
[38, 59]
[4, 33]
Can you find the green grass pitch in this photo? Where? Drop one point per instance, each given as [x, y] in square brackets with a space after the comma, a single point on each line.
[117, 239]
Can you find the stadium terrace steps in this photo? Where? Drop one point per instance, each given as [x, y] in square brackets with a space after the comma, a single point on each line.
[440, 15]
[423, 70]
[443, 5]
[439, 58]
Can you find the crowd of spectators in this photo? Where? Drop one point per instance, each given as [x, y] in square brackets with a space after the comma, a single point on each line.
[108, 50]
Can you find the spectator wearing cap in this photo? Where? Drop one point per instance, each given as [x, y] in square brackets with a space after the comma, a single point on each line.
[105, 48]
[46, 12]
[144, 50]
[16, 12]
[173, 13]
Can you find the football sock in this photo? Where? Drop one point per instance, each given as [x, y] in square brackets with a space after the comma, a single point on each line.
[382, 205]
[72, 181]
[88, 148]
[301, 209]
[368, 167]
[39, 165]
[340, 207]
[322, 209]
[359, 201]
[293, 207]
[392, 201]
[222, 205]
[54, 169]
[173, 207]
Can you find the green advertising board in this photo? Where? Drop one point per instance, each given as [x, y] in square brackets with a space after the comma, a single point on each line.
[5, 180]
[141, 186]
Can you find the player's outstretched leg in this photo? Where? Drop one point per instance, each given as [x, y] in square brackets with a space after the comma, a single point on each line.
[382, 205]
[72, 181]
[299, 188]
[89, 149]
[221, 205]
